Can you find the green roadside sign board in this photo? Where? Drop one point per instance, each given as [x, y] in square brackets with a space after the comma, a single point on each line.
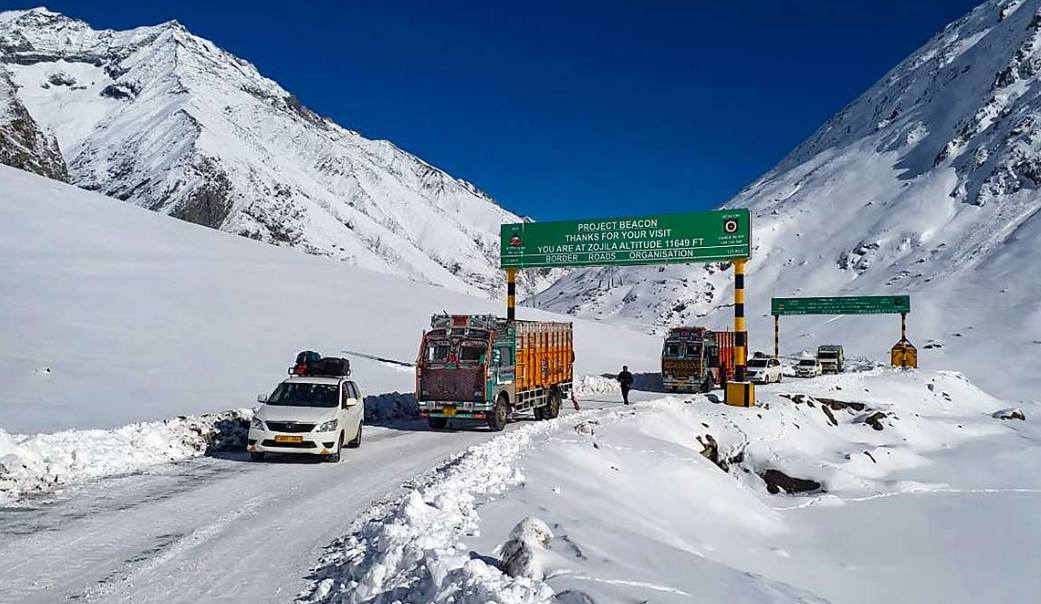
[843, 305]
[664, 239]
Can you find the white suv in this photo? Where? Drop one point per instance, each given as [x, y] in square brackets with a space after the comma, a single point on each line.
[309, 415]
[808, 368]
[765, 370]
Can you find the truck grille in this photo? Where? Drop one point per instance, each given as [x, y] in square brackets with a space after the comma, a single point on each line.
[452, 384]
[289, 427]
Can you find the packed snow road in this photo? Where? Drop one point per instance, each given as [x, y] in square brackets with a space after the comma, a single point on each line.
[211, 529]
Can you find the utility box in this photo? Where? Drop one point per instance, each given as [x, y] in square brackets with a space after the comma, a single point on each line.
[740, 394]
[904, 355]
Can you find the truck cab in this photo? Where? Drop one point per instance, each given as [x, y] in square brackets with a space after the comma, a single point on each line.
[482, 367]
[695, 358]
[308, 415]
[831, 357]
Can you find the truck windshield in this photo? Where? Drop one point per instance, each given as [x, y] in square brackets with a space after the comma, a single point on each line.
[672, 349]
[471, 352]
[827, 355]
[437, 352]
[693, 351]
[304, 395]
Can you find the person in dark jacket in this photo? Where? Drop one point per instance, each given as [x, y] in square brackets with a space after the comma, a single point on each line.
[626, 380]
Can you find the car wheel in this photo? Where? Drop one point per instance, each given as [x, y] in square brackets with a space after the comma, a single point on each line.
[500, 415]
[334, 457]
[256, 456]
[780, 377]
[437, 423]
[356, 442]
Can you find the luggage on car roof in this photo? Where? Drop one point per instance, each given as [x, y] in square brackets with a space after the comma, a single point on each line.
[329, 367]
[304, 360]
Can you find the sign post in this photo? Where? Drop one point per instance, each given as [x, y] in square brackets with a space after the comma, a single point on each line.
[718, 236]
[903, 354]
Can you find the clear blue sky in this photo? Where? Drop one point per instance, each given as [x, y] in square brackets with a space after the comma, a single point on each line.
[567, 109]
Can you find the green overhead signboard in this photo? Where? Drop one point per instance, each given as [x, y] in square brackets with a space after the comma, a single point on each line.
[666, 239]
[844, 305]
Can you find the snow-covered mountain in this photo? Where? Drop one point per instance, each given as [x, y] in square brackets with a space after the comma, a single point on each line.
[927, 184]
[169, 121]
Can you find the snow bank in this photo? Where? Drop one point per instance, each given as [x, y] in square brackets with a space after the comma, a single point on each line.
[409, 550]
[35, 465]
[799, 500]
[595, 385]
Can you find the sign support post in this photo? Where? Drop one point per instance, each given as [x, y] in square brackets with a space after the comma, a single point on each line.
[740, 392]
[777, 337]
[511, 294]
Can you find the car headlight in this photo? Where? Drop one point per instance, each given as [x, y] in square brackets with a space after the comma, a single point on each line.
[328, 426]
[257, 424]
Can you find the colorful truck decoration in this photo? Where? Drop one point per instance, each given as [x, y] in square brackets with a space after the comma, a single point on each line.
[483, 367]
[696, 359]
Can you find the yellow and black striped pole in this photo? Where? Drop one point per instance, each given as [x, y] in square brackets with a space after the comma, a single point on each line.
[777, 337]
[511, 294]
[741, 332]
[903, 339]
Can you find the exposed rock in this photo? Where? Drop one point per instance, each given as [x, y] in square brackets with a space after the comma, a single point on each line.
[23, 144]
[1005, 414]
[520, 552]
[777, 481]
[875, 420]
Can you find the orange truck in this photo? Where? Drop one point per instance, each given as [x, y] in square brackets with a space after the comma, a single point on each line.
[695, 358]
[483, 367]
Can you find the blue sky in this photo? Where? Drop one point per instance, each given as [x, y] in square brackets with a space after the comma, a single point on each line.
[569, 109]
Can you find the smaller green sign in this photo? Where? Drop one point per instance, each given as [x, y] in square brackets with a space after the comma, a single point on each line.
[843, 305]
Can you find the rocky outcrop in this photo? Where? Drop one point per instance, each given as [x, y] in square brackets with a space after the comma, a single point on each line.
[23, 144]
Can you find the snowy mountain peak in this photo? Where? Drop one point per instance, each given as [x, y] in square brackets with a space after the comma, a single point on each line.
[928, 184]
[162, 118]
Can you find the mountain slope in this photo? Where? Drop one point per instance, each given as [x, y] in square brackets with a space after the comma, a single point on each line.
[927, 184]
[111, 314]
[166, 120]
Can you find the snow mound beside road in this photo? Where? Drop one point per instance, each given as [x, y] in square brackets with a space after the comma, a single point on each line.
[37, 465]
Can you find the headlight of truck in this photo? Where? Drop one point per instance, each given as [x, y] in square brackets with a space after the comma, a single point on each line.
[328, 426]
[256, 424]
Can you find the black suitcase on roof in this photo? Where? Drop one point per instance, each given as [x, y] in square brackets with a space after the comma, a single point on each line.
[331, 367]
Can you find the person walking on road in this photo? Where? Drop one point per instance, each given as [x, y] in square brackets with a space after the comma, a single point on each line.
[626, 380]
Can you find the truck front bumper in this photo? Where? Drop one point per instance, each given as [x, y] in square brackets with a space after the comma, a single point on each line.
[454, 410]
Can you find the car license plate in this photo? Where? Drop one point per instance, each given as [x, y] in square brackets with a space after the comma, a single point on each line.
[449, 412]
[279, 438]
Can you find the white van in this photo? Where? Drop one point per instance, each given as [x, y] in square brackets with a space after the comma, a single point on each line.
[308, 415]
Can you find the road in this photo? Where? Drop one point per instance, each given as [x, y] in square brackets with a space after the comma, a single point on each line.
[211, 529]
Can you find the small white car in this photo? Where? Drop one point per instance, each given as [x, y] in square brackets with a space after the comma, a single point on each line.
[765, 370]
[308, 415]
[808, 368]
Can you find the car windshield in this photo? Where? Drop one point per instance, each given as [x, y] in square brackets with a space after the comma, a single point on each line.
[807, 362]
[304, 395]
[757, 363]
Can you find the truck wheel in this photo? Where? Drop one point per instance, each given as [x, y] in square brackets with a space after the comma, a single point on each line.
[553, 408]
[500, 415]
[334, 457]
[356, 442]
[437, 423]
[541, 413]
[256, 456]
[706, 386]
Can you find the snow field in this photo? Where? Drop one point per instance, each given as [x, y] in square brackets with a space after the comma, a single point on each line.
[631, 495]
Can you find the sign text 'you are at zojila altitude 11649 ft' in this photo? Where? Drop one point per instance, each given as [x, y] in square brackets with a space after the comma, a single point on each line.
[665, 239]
